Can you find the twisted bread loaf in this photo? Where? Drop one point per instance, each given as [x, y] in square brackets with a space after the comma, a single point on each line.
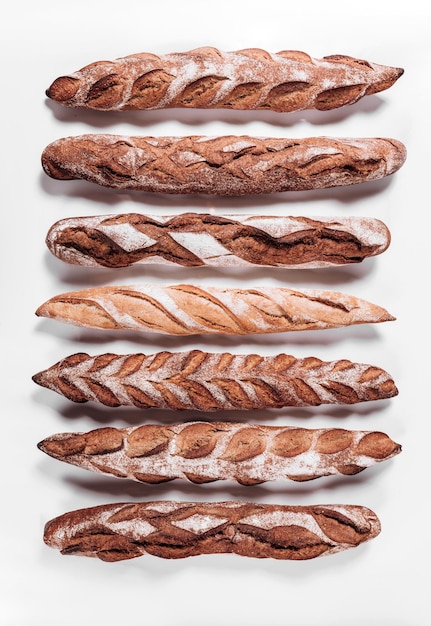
[210, 78]
[227, 165]
[172, 530]
[193, 239]
[188, 309]
[210, 381]
[204, 452]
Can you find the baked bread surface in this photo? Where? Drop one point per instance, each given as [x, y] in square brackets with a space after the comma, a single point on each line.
[172, 530]
[208, 451]
[201, 239]
[208, 381]
[225, 165]
[210, 78]
[190, 309]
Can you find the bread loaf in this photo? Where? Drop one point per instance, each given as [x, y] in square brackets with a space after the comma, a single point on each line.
[204, 452]
[190, 309]
[227, 165]
[195, 239]
[209, 78]
[173, 530]
[214, 381]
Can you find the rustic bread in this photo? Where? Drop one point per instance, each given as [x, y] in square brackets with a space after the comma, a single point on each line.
[204, 452]
[198, 239]
[226, 165]
[210, 78]
[214, 381]
[173, 530]
[190, 309]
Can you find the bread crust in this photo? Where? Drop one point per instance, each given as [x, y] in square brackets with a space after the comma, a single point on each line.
[204, 239]
[224, 165]
[209, 78]
[190, 309]
[171, 530]
[203, 452]
[214, 381]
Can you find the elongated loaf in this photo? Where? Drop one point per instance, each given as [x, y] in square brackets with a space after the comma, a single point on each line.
[209, 78]
[197, 239]
[227, 165]
[189, 309]
[214, 381]
[207, 451]
[173, 530]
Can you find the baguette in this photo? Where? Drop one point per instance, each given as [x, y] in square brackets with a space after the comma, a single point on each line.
[203, 452]
[209, 381]
[227, 165]
[173, 530]
[189, 309]
[209, 78]
[193, 240]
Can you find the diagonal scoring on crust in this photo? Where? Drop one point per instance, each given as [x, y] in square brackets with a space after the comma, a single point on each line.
[167, 529]
[211, 78]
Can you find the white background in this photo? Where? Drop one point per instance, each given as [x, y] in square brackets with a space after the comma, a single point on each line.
[380, 583]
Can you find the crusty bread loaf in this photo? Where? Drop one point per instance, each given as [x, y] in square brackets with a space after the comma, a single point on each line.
[210, 78]
[172, 530]
[226, 165]
[214, 381]
[197, 239]
[203, 452]
[189, 309]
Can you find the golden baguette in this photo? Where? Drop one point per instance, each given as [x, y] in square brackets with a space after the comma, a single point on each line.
[190, 309]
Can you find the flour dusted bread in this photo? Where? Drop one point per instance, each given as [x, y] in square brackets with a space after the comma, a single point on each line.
[204, 452]
[173, 530]
[191, 309]
[210, 78]
[200, 239]
[208, 381]
[226, 165]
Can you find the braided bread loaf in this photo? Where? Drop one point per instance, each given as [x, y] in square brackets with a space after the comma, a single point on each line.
[227, 165]
[207, 451]
[210, 78]
[172, 530]
[194, 239]
[210, 381]
[188, 309]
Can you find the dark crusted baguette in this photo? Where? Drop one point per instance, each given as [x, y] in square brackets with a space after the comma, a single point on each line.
[195, 239]
[204, 452]
[173, 530]
[210, 78]
[210, 381]
[191, 309]
[227, 165]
